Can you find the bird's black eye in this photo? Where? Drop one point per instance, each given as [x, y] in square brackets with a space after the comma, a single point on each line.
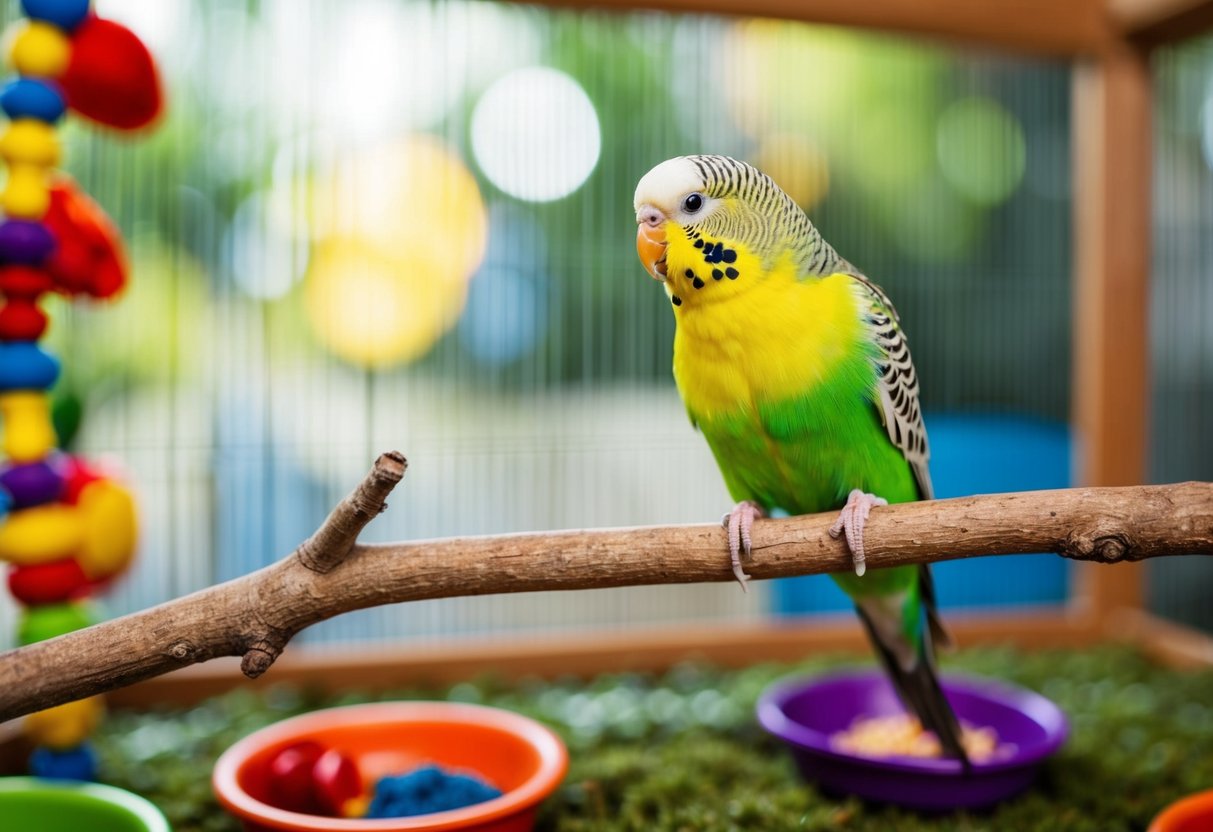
[692, 203]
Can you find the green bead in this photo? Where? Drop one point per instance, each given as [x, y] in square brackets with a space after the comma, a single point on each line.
[49, 620]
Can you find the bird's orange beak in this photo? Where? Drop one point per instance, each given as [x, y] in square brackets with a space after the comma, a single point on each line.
[650, 245]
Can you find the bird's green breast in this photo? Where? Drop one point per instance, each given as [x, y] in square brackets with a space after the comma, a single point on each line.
[781, 379]
[804, 454]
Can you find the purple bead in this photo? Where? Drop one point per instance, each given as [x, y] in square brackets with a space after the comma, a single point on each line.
[25, 242]
[34, 484]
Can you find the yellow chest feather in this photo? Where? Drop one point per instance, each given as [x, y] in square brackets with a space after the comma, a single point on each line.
[753, 335]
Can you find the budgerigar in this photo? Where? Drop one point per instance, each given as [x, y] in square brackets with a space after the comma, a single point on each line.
[794, 366]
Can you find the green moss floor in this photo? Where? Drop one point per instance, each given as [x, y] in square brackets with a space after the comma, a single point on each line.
[681, 751]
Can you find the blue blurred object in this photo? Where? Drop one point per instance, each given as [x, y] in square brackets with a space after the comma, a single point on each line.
[974, 455]
[66, 14]
[79, 763]
[26, 366]
[425, 790]
[32, 98]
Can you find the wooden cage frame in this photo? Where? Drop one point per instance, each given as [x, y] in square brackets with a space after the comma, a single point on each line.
[1109, 44]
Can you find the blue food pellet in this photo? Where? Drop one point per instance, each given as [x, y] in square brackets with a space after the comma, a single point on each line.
[425, 790]
[79, 763]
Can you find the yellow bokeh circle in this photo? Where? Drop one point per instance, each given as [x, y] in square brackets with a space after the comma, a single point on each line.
[376, 308]
[797, 166]
[402, 228]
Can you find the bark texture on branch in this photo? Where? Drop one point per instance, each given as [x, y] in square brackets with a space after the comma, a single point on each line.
[256, 615]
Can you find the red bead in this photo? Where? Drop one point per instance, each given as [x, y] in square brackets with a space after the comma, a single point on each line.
[21, 320]
[47, 583]
[290, 777]
[337, 780]
[25, 282]
[111, 77]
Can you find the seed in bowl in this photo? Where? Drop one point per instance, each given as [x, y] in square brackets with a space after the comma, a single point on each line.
[903, 735]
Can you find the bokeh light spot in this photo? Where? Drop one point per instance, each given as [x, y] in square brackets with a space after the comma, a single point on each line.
[1206, 130]
[265, 262]
[373, 309]
[403, 229]
[981, 150]
[506, 315]
[892, 150]
[937, 225]
[797, 166]
[535, 134]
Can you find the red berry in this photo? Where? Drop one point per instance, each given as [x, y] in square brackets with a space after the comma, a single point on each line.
[337, 780]
[290, 777]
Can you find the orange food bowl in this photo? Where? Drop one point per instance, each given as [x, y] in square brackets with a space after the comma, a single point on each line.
[522, 758]
[1192, 814]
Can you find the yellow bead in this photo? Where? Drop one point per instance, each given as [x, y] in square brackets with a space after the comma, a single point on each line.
[65, 726]
[110, 529]
[26, 195]
[41, 534]
[28, 141]
[39, 49]
[26, 420]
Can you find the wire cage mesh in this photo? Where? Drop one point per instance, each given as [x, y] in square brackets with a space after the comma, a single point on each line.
[1181, 447]
[388, 224]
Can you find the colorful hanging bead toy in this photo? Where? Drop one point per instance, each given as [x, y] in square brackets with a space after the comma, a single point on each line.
[66, 527]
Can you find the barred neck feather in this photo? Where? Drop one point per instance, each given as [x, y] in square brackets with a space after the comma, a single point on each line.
[760, 214]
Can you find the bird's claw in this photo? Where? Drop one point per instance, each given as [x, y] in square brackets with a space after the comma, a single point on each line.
[739, 522]
[851, 521]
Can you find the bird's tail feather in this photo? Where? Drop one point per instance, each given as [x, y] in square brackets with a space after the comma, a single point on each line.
[919, 689]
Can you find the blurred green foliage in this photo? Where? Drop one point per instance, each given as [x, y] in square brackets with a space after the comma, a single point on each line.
[681, 752]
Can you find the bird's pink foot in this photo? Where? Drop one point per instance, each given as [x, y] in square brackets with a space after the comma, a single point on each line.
[738, 522]
[851, 520]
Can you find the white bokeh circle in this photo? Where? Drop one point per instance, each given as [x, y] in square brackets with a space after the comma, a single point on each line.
[535, 134]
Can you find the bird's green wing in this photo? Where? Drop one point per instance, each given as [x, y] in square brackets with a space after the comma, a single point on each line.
[897, 386]
[902, 417]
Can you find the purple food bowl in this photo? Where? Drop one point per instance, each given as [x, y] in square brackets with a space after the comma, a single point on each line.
[804, 713]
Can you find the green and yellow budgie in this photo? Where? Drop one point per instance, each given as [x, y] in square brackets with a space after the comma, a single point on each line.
[794, 367]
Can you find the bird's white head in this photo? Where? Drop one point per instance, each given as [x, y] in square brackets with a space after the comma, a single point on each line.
[674, 191]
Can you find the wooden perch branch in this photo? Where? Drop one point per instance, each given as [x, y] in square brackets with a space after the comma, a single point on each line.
[256, 615]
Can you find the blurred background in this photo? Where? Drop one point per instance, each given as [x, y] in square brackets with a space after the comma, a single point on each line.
[386, 224]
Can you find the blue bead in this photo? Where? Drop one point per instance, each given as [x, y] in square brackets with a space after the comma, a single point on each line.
[79, 763]
[32, 98]
[25, 242]
[26, 366]
[6, 503]
[66, 14]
